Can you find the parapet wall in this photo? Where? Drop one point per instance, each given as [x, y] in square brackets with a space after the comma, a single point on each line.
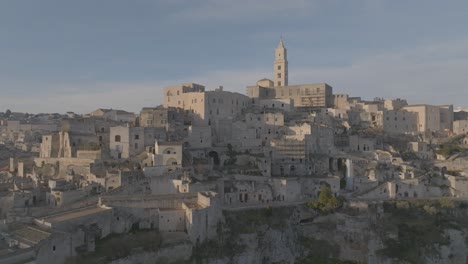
[167, 201]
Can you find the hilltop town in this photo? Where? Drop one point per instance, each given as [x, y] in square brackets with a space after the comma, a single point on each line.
[164, 183]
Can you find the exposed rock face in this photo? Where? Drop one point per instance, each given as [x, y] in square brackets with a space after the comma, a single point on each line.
[393, 232]
[419, 231]
[174, 254]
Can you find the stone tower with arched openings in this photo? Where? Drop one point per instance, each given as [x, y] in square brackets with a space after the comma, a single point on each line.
[281, 65]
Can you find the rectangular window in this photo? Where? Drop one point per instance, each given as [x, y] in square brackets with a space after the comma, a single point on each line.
[137, 136]
[279, 67]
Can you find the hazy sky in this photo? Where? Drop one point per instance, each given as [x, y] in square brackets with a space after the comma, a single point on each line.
[58, 56]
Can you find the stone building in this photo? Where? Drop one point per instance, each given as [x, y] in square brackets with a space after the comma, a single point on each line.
[205, 107]
[362, 143]
[199, 137]
[286, 105]
[395, 104]
[159, 116]
[400, 121]
[115, 115]
[340, 101]
[239, 134]
[67, 145]
[289, 158]
[281, 65]
[321, 141]
[460, 115]
[446, 118]
[421, 149]
[428, 117]
[126, 141]
[50, 146]
[196, 214]
[168, 154]
[460, 127]
[305, 96]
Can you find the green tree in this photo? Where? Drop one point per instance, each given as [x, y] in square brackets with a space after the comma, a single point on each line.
[326, 202]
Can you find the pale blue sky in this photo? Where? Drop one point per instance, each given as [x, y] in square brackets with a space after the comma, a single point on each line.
[58, 56]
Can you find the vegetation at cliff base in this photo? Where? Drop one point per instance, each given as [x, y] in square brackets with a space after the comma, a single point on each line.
[112, 247]
[413, 229]
[326, 202]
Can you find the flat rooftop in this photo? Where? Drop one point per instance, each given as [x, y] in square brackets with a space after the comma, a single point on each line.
[30, 235]
[193, 205]
[69, 215]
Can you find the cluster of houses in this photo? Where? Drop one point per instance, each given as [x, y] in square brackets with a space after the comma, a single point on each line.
[72, 179]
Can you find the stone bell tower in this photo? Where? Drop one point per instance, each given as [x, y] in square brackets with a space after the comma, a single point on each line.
[281, 65]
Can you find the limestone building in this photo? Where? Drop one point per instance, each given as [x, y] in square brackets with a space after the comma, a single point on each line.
[160, 117]
[400, 122]
[303, 97]
[67, 145]
[115, 115]
[428, 117]
[281, 65]
[126, 141]
[289, 158]
[460, 127]
[395, 104]
[446, 117]
[168, 153]
[203, 106]
[199, 137]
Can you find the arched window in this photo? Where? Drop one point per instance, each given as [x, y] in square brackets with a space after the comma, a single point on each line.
[117, 138]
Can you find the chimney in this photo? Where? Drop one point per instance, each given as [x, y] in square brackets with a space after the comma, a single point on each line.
[12, 164]
[20, 169]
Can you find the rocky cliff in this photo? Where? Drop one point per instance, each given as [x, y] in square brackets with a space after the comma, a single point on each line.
[429, 231]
